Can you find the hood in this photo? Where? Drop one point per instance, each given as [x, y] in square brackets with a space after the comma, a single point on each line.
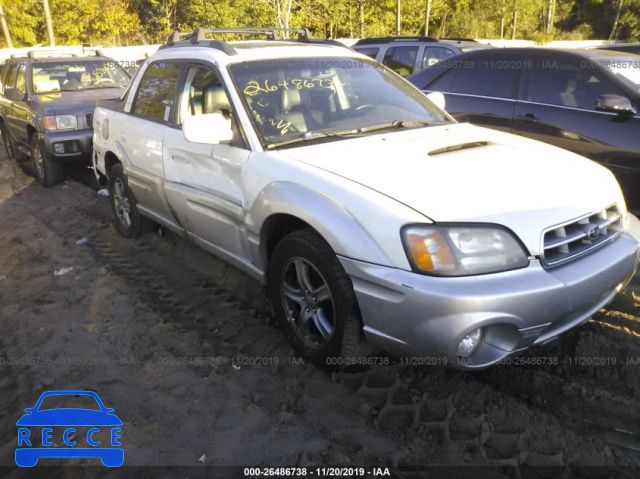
[463, 173]
[75, 102]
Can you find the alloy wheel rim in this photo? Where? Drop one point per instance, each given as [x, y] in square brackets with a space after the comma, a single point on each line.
[39, 162]
[7, 143]
[308, 302]
[121, 203]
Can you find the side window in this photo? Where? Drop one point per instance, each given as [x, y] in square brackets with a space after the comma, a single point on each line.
[489, 75]
[203, 93]
[371, 52]
[21, 81]
[401, 59]
[433, 55]
[563, 82]
[157, 91]
[3, 75]
[11, 76]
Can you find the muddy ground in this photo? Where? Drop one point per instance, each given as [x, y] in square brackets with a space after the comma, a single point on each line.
[186, 350]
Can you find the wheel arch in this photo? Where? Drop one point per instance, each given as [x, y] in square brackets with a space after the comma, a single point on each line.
[110, 160]
[282, 208]
[31, 130]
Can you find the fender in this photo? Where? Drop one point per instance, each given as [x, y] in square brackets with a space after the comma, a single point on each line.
[332, 221]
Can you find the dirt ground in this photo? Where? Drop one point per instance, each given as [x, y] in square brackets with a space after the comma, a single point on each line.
[185, 349]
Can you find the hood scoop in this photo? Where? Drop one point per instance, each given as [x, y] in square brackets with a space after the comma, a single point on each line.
[461, 146]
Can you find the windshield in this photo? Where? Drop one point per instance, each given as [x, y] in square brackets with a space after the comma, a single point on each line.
[78, 75]
[297, 100]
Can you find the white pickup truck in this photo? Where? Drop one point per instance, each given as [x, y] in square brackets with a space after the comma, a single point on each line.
[374, 218]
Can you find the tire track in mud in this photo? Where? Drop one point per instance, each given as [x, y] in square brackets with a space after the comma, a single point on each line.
[203, 318]
[436, 417]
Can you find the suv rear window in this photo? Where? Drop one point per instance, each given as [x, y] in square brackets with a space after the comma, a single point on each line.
[157, 91]
[371, 52]
[401, 59]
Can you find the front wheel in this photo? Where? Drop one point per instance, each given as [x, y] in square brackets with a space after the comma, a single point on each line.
[314, 301]
[9, 144]
[128, 221]
[48, 172]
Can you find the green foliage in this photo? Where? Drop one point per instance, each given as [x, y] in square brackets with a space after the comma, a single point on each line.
[26, 22]
[122, 22]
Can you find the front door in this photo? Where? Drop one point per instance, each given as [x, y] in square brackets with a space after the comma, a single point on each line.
[205, 183]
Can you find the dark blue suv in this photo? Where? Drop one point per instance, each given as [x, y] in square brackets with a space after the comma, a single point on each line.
[47, 99]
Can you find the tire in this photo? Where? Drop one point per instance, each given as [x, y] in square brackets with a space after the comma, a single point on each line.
[314, 301]
[128, 221]
[48, 172]
[9, 144]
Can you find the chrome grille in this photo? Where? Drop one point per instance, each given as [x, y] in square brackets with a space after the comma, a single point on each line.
[571, 240]
[89, 119]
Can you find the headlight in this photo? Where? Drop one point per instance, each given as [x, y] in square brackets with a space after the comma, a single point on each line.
[60, 122]
[462, 250]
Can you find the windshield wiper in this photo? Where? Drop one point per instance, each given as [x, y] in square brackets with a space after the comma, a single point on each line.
[314, 135]
[106, 85]
[395, 124]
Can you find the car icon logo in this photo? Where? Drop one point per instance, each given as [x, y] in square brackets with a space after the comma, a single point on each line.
[593, 232]
[90, 431]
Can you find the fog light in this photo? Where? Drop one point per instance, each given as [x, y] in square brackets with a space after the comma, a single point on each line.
[470, 343]
[58, 147]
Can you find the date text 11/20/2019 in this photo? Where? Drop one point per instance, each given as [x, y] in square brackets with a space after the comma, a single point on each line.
[294, 472]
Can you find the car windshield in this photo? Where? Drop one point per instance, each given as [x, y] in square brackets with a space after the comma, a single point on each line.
[296, 100]
[78, 75]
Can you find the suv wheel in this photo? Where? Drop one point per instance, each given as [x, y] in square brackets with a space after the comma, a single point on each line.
[314, 301]
[128, 221]
[9, 145]
[48, 172]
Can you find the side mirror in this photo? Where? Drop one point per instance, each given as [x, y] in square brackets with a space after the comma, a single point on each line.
[615, 104]
[209, 128]
[14, 94]
[437, 99]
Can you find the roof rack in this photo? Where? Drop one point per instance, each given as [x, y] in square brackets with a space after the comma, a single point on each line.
[199, 37]
[459, 39]
[61, 52]
[398, 38]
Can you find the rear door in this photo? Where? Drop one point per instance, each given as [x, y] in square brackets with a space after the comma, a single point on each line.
[557, 106]
[482, 90]
[142, 132]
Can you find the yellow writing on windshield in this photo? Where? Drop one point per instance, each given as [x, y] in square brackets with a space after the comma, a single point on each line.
[253, 87]
[281, 125]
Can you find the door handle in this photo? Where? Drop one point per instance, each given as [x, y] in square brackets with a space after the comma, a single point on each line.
[528, 118]
[178, 156]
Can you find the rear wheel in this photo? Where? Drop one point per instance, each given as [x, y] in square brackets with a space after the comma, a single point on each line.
[48, 172]
[128, 221]
[314, 301]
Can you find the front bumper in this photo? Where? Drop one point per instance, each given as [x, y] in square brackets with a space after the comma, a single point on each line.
[76, 145]
[423, 316]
